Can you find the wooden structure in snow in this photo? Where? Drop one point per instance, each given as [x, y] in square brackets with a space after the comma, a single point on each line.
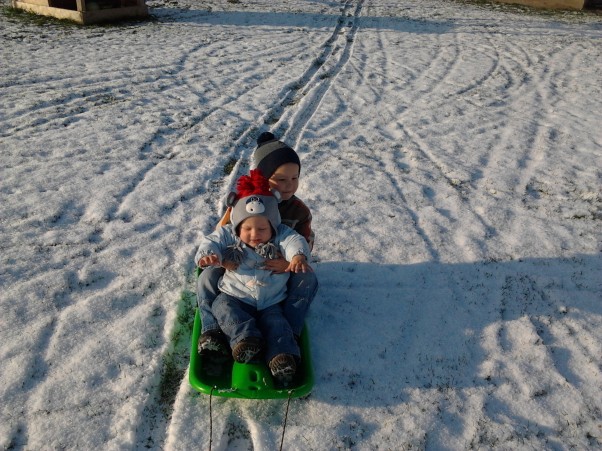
[86, 11]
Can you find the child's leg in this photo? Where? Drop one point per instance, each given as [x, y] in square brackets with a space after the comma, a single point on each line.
[277, 332]
[302, 288]
[206, 292]
[235, 318]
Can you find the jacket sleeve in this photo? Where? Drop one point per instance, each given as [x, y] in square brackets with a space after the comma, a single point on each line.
[304, 228]
[292, 243]
[297, 215]
[215, 243]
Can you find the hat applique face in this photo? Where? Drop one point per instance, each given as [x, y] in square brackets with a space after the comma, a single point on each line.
[254, 205]
[253, 198]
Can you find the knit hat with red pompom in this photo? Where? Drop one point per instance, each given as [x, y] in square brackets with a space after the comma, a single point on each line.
[254, 197]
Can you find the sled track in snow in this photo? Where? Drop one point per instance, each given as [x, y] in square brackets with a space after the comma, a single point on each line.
[287, 117]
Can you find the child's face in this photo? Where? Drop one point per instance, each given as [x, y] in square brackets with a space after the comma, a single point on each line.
[286, 180]
[255, 230]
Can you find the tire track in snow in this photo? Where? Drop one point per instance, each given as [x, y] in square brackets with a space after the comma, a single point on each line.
[391, 170]
[155, 159]
[443, 66]
[286, 105]
[420, 87]
[531, 88]
[532, 74]
[216, 97]
[518, 73]
[242, 138]
[543, 100]
[432, 158]
[433, 81]
[423, 160]
[439, 162]
[319, 78]
[71, 96]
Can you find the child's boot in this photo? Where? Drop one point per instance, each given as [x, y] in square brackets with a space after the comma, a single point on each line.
[246, 349]
[283, 368]
[213, 343]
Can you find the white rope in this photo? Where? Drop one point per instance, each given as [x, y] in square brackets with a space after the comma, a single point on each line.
[288, 403]
[211, 419]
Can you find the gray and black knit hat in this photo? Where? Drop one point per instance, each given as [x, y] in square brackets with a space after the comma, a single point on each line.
[254, 198]
[271, 154]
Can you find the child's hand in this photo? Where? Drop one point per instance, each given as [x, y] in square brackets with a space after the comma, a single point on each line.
[208, 260]
[299, 264]
[276, 265]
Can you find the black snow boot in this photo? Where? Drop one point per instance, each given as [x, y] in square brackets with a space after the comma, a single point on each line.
[213, 343]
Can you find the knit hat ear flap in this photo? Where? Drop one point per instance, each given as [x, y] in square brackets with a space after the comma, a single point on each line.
[231, 199]
[271, 154]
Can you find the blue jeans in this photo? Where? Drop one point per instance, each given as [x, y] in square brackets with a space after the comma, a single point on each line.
[206, 292]
[239, 320]
[301, 290]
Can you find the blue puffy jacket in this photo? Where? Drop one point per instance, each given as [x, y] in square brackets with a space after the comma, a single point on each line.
[250, 282]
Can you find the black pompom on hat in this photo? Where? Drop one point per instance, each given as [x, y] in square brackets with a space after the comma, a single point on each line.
[272, 153]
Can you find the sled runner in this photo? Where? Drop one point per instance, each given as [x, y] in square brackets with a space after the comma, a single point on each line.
[246, 380]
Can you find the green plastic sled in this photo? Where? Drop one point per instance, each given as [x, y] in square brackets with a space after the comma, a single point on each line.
[247, 380]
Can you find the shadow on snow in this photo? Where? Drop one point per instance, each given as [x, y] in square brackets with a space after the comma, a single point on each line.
[379, 330]
[303, 20]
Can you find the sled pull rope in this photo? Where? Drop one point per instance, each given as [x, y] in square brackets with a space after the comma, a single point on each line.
[288, 403]
[211, 418]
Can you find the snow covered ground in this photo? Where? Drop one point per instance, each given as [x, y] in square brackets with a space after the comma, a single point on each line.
[452, 158]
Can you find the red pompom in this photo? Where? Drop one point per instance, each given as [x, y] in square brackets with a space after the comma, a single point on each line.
[253, 184]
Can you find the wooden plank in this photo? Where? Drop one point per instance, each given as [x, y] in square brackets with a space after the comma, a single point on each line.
[58, 13]
[35, 2]
[84, 17]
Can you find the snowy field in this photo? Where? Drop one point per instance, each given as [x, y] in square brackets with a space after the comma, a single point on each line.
[452, 158]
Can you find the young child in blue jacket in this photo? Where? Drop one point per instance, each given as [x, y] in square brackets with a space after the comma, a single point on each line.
[249, 307]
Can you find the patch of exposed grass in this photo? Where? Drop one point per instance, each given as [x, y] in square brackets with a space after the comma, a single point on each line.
[229, 166]
[177, 357]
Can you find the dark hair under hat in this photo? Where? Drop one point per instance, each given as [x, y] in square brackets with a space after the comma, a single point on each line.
[271, 154]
